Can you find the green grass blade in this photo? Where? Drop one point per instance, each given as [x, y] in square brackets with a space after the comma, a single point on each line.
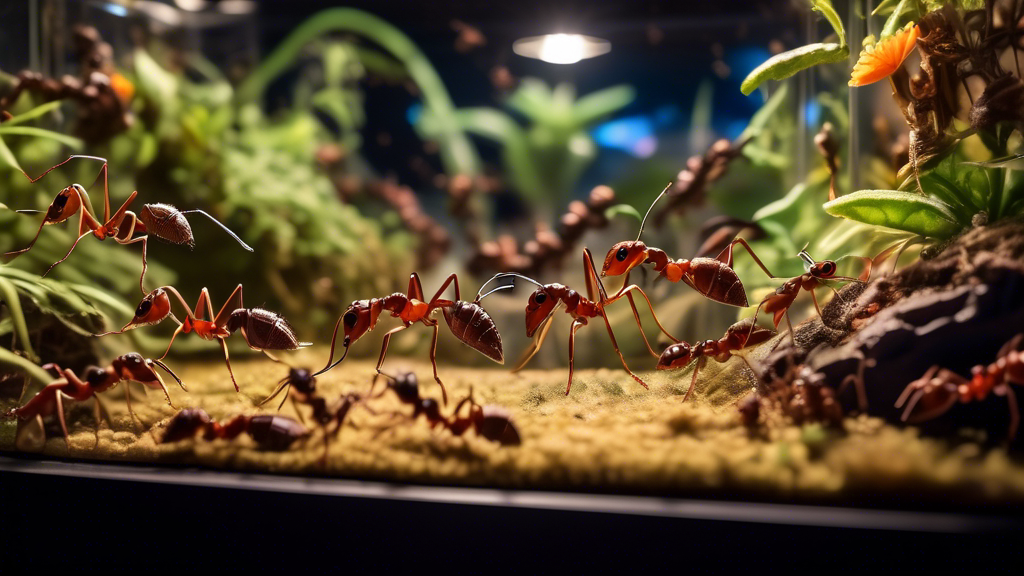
[782, 66]
[899, 210]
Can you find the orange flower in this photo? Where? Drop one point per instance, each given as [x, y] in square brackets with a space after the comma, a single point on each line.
[884, 58]
[123, 87]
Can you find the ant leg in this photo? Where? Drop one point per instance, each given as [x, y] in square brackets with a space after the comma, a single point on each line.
[52, 266]
[14, 253]
[295, 405]
[145, 265]
[227, 360]
[534, 347]
[816, 307]
[128, 401]
[629, 296]
[284, 383]
[384, 346]
[179, 330]
[96, 414]
[1010, 346]
[636, 316]
[858, 382]
[271, 356]
[726, 256]
[61, 417]
[452, 278]
[433, 363]
[619, 352]
[572, 352]
[334, 342]
[225, 311]
[792, 333]
[693, 381]
[415, 288]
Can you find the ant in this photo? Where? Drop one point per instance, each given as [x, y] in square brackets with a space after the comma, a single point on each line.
[300, 386]
[547, 298]
[738, 336]
[817, 273]
[468, 321]
[130, 367]
[713, 278]
[270, 432]
[262, 330]
[162, 221]
[491, 422]
[934, 394]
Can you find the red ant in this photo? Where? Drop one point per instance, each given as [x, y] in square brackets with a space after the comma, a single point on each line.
[713, 278]
[468, 321]
[262, 330]
[163, 221]
[934, 394]
[491, 422]
[817, 273]
[738, 336]
[547, 298]
[130, 367]
[270, 432]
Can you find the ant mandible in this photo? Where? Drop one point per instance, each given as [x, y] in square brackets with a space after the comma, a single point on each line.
[713, 278]
[740, 335]
[162, 221]
[130, 367]
[547, 298]
[933, 394]
[491, 422]
[269, 431]
[468, 321]
[262, 330]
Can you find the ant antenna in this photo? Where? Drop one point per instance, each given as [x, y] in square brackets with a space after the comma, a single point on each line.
[171, 372]
[644, 221]
[223, 227]
[504, 275]
[806, 257]
[505, 287]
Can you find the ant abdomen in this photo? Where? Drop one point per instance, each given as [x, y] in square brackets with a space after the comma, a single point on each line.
[264, 330]
[186, 424]
[471, 324]
[273, 432]
[167, 223]
[496, 425]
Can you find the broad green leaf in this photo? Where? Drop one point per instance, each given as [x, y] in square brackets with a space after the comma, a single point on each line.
[623, 209]
[899, 210]
[764, 115]
[892, 24]
[596, 105]
[782, 66]
[884, 7]
[826, 9]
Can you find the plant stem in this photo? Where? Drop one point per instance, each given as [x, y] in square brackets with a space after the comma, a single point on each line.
[457, 154]
[21, 364]
[995, 192]
[10, 296]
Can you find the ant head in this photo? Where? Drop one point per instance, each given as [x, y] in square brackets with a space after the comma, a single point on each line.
[676, 356]
[542, 303]
[623, 257]
[406, 386]
[302, 380]
[431, 409]
[823, 269]
[356, 321]
[153, 309]
[67, 202]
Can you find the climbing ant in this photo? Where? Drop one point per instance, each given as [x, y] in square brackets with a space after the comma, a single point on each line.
[130, 367]
[713, 278]
[262, 330]
[738, 336]
[270, 432]
[547, 298]
[162, 221]
[468, 321]
[817, 273]
[491, 422]
[934, 394]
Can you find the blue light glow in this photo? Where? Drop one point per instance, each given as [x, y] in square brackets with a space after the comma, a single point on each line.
[413, 113]
[633, 135]
[115, 9]
[812, 113]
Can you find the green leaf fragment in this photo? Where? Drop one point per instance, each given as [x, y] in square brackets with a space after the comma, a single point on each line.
[782, 66]
[898, 210]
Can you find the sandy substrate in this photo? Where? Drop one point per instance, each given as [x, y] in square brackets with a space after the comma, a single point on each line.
[609, 435]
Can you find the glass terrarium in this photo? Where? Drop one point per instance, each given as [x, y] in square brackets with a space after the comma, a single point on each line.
[666, 267]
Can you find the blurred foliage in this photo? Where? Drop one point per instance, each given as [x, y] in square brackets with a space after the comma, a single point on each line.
[544, 160]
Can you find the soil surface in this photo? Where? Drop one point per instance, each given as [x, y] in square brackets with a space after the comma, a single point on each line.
[609, 435]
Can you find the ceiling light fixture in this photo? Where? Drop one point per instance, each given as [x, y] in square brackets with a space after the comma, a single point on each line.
[561, 48]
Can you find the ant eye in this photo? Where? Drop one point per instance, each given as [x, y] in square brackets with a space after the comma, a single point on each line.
[350, 319]
[540, 297]
[622, 254]
[143, 308]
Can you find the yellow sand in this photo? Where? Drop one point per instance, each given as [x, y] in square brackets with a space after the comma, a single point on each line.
[610, 434]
